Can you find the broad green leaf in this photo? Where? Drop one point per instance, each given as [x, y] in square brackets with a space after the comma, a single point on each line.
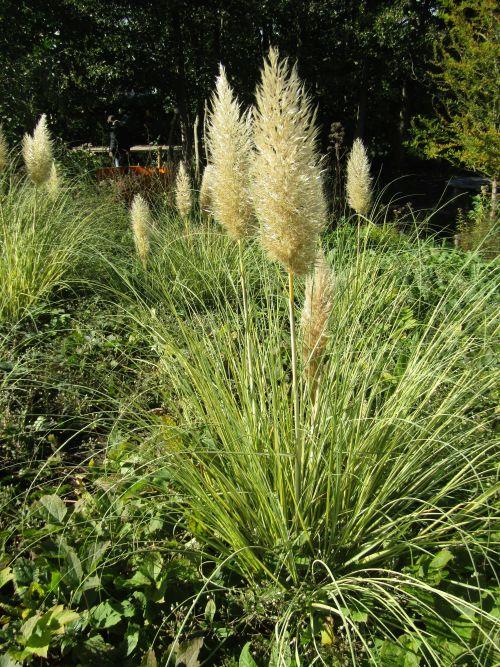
[132, 637]
[74, 570]
[6, 575]
[360, 616]
[149, 659]
[66, 616]
[246, 659]
[188, 652]
[55, 507]
[28, 627]
[25, 572]
[441, 559]
[210, 610]
[106, 614]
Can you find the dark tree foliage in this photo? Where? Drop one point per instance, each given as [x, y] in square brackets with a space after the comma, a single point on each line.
[78, 60]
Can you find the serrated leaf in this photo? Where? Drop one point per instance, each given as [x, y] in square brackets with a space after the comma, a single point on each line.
[106, 614]
[246, 659]
[55, 507]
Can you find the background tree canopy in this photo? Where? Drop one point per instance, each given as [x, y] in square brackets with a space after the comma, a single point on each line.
[78, 60]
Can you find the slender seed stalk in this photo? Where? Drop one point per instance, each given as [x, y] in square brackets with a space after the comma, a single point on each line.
[288, 197]
[295, 391]
[246, 317]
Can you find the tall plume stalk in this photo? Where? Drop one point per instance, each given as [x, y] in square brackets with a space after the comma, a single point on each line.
[183, 193]
[37, 153]
[53, 183]
[4, 151]
[316, 312]
[359, 181]
[142, 225]
[229, 144]
[205, 198]
[288, 191]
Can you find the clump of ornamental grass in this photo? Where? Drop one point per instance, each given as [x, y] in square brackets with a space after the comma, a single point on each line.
[359, 181]
[183, 192]
[42, 241]
[229, 143]
[287, 188]
[142, 225]
[205, 196]
[318, 303]
[399, 459]
[4, 151]
[37, 153]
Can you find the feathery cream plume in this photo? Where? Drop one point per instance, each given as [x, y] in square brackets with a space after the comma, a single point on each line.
[37, 152]
[287, 193]
[183, 194]
[142, 225]
[359, 182]
[53, 183]
[229, 142]
[316, 312]
[4, 151]
[205, 197]
[287, 180]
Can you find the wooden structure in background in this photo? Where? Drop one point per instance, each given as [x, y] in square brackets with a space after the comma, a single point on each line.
[160, 150]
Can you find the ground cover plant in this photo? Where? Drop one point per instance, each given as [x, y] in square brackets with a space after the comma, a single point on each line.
[239, 433]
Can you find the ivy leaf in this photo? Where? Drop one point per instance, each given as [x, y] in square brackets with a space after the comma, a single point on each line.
[55, 507]
[246, 659]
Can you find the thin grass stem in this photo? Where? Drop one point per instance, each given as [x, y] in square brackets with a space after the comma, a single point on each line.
[295, 391]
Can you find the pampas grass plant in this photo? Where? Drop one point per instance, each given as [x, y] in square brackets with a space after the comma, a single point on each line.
[287, 188]
[359, 181]
[316, 311]
[37, 153]
[142, 225]
[229, 143]
[183, 192]
[4, 151]
[400, 463]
